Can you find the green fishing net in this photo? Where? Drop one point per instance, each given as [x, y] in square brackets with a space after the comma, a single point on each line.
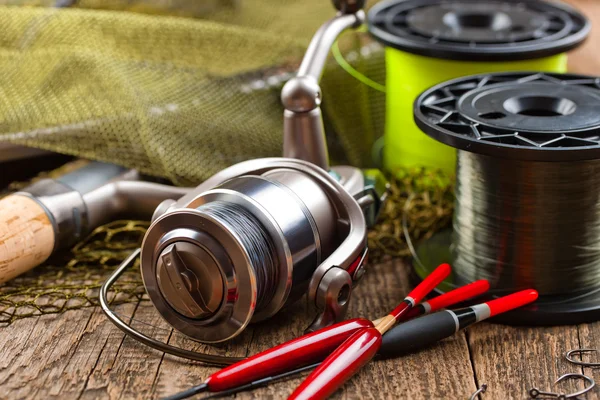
[177, 89]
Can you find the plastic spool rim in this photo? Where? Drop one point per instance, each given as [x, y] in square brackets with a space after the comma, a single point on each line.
[495, 30]
[484, 114]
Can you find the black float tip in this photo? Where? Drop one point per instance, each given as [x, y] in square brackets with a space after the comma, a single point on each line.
[189, 392]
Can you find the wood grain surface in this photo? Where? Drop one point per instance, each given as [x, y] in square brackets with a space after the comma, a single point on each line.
[586, 58]
[80, 355]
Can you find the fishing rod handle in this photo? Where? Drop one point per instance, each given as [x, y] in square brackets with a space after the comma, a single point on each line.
[304, 350]
[26, 236]
[54, 214]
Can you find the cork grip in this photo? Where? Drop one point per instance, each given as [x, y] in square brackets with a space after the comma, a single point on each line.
[26, 236]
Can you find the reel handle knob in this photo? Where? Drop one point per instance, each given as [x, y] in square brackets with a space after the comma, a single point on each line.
[333, 298]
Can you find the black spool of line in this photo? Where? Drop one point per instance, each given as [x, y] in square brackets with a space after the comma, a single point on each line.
[527, 211]
[431, 41]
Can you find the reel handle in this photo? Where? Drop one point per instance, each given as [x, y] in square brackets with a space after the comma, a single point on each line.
[26, 235]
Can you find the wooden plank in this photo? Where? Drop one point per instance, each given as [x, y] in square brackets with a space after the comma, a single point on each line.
[177, 374]
[589, 337]
[284, 326]
[127, 369]
[52, 340]
[382, 288]
[99, 339]
[13, 353]
[80, 354]
[51, 356]
[440, 372]
[585, 59]
[512, 360]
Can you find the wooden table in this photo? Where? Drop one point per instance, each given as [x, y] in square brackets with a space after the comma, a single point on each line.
[80, 355]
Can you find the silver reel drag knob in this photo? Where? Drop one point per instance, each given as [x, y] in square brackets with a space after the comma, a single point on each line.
[190, 279]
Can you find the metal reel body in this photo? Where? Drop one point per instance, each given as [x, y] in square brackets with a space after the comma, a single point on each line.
[201, 275]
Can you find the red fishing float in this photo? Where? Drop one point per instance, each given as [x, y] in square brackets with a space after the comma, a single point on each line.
[362, 346]
[315, 346]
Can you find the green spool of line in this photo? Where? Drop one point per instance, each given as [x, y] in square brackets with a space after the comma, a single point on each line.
[432, 41]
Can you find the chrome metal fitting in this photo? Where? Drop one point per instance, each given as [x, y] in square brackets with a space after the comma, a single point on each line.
[349, 6]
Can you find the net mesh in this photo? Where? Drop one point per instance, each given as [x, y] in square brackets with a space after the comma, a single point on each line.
[71, 280]
[176, 89]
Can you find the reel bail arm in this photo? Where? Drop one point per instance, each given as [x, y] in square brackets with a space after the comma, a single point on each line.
[273, 228]
[303, 131]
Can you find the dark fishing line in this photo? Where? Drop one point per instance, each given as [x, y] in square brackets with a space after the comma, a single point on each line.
[255, 240]
[526, 224]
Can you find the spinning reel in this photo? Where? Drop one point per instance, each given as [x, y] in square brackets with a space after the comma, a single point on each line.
[259, 234]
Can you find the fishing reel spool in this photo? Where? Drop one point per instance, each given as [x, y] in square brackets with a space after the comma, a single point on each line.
[432, 41]
[521, 127]
[260, 234]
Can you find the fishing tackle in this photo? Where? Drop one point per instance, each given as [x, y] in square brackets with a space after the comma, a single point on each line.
[432, 41]
[362, 346]
[447, 299]
[570, 359]
[535, 393]
[482, 389]
[54, 214]
[432, 328]
[317, 345]
[260, 234]
[526, 210]
[11, 152]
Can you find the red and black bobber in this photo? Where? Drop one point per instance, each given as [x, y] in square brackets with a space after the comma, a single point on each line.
[432, 328]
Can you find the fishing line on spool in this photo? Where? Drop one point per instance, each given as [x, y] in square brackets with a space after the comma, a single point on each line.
[557, 301]
[255, 240]
[521, 223]
[353, 72]
[527, 201]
